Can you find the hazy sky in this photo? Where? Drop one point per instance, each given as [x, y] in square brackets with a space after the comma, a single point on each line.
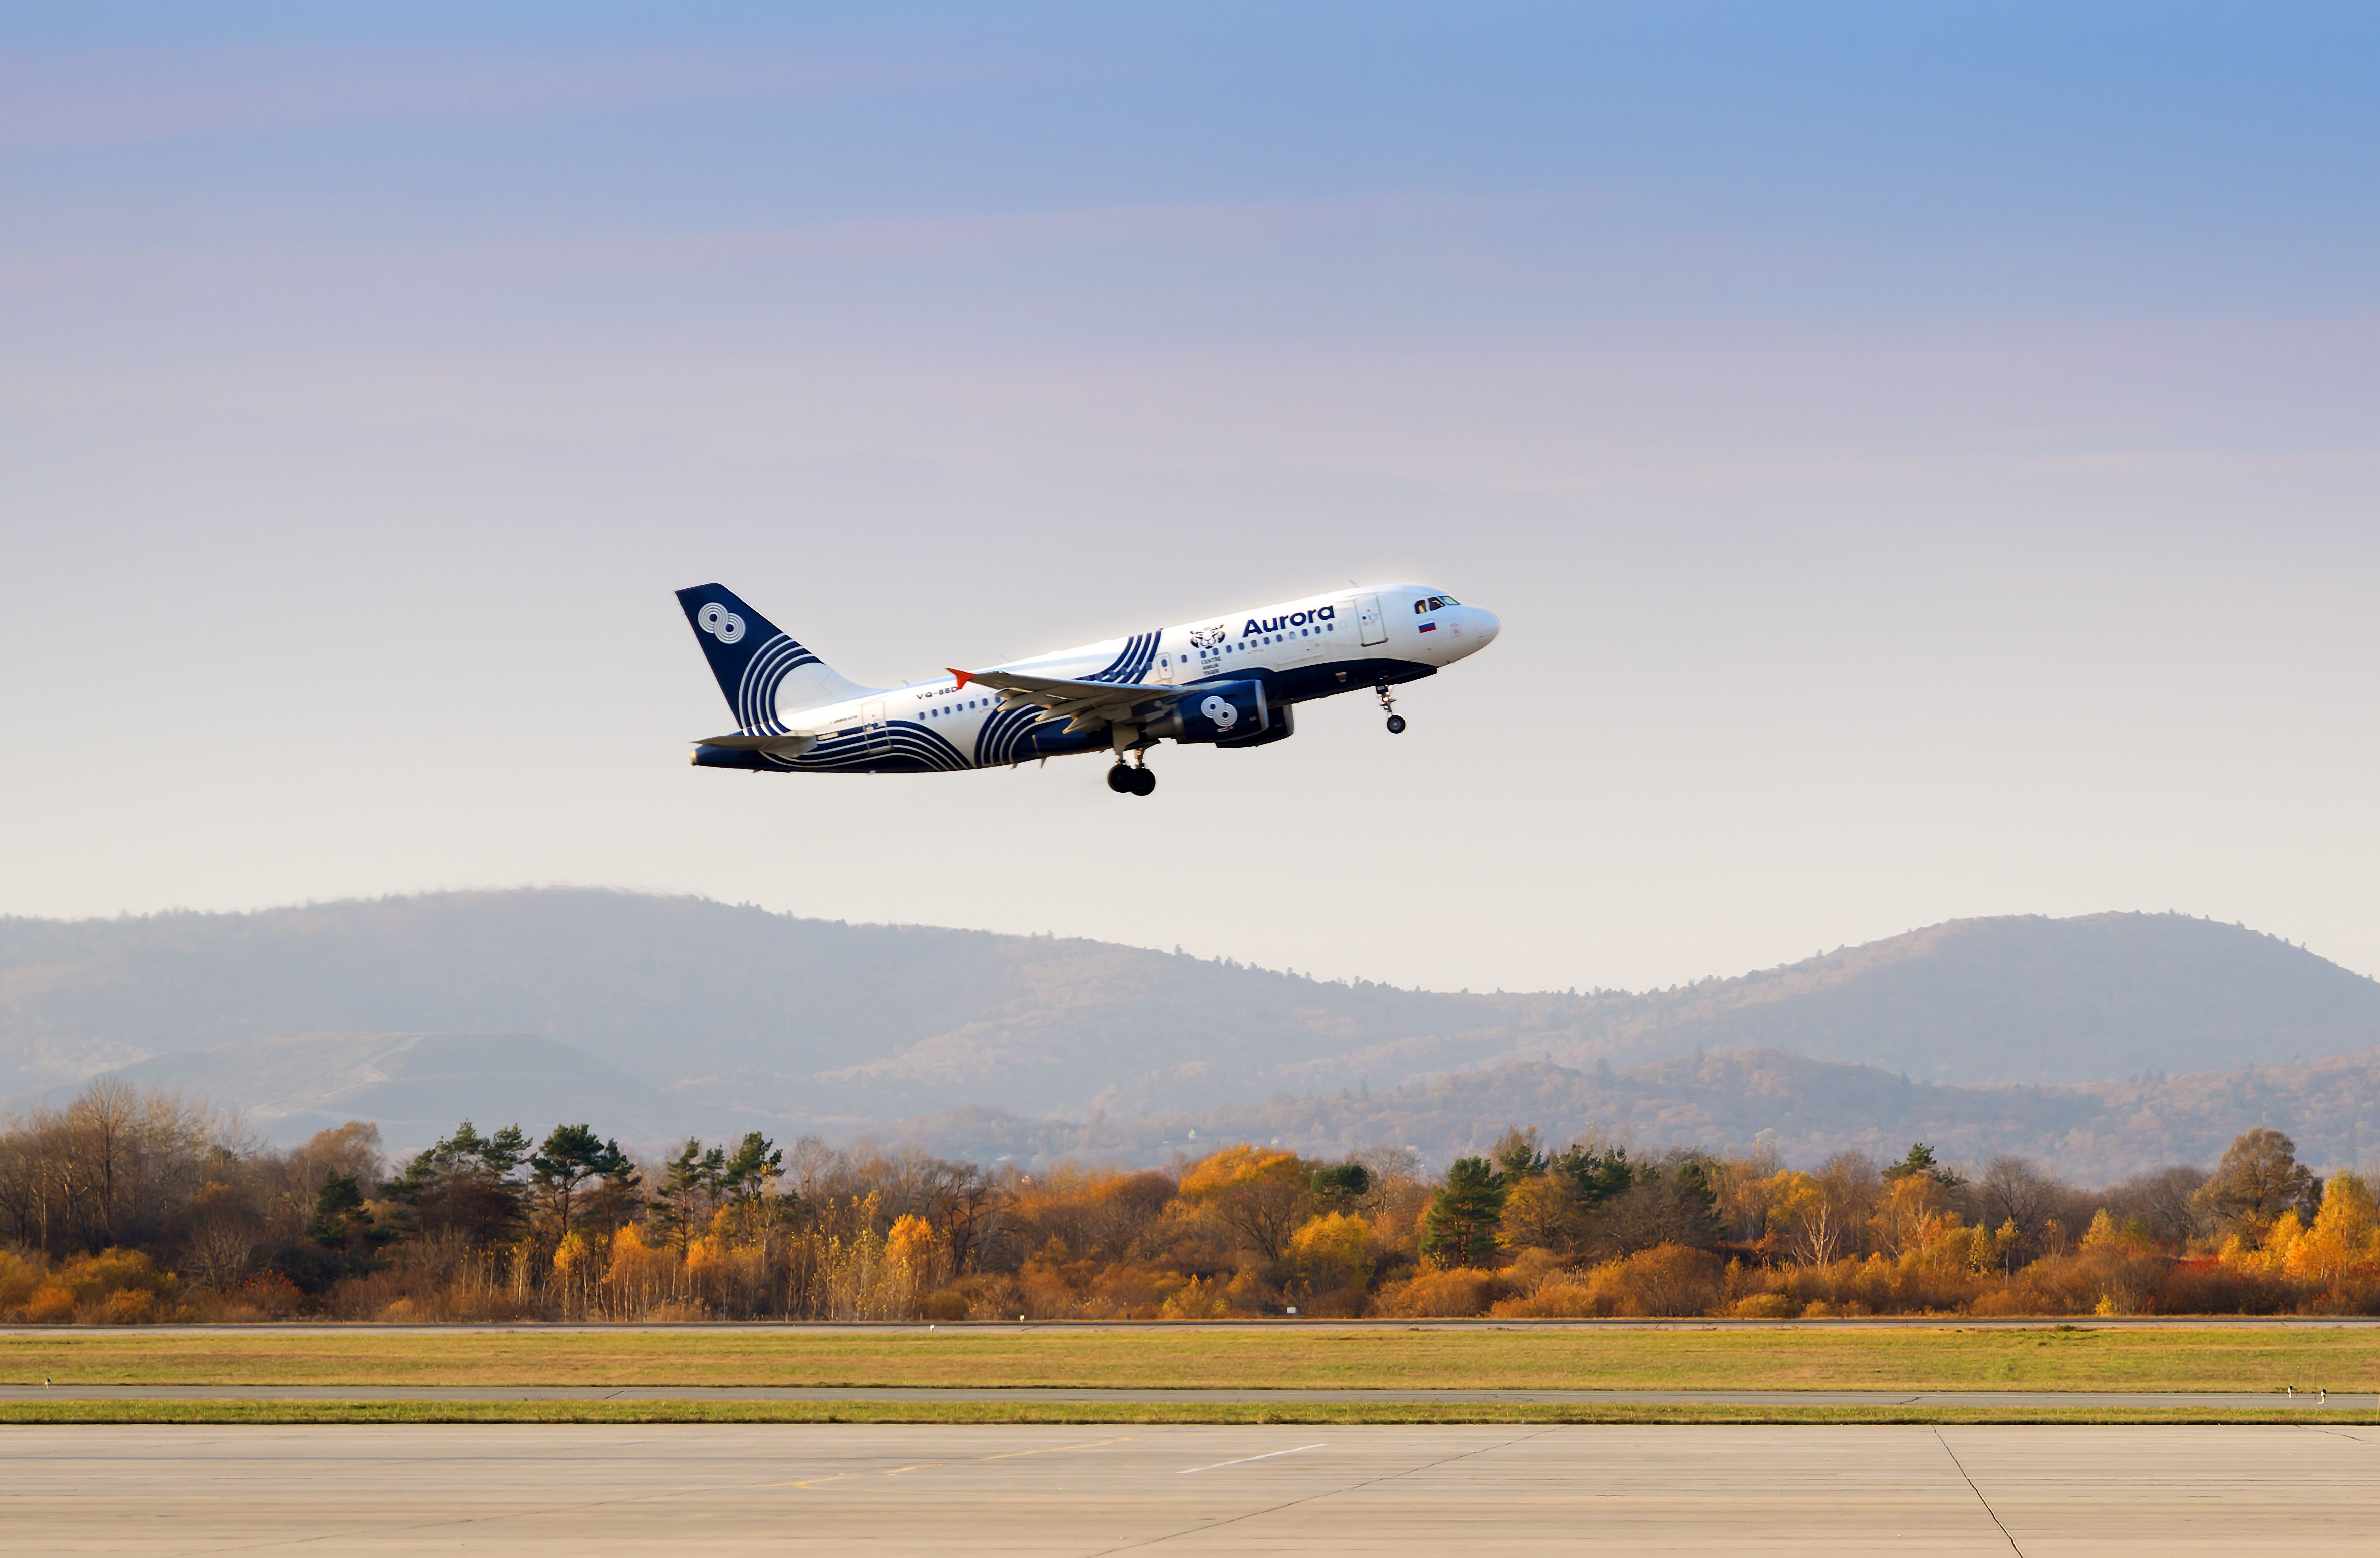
[1924, 457]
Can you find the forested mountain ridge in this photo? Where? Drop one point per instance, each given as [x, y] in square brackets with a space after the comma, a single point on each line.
[1738, 1099]
[703, 1010]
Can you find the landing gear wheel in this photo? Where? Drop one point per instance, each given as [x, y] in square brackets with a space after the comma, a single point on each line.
[1144, 781]
[1120, 779]
[1396, 724]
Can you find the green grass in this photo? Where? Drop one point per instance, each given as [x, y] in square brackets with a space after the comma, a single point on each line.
[1784, 1358]
[267, 1413]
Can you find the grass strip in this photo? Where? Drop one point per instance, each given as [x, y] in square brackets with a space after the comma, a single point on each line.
[964, 1413]
[1935, 1358]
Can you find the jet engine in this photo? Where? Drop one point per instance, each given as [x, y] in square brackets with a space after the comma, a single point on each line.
[1227, 714]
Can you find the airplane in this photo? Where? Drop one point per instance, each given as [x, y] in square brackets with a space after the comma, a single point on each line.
[1233, 680]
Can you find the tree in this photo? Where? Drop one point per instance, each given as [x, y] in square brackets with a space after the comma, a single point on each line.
[1670, 1202]
[2259, 1179]
[1918, 1163]
[1810, 1220]
[1594, 1176]
[1914, 1208]
[1821, 1214]
[339, 1211]
[468, 1186]
[1541, 1214]
[2017, 1191]
[2344, 1239]
[1517, 1155]
[220, 1233]
[1464, 1219]
[756, 1164]
[690, 1182]
[570, 1162]
[2159, 1199]
[1341, 1185]
[1333, 1253]
[342, 1223]
[1259, 1193]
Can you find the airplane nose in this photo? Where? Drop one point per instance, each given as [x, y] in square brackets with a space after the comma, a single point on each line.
[1484, 626]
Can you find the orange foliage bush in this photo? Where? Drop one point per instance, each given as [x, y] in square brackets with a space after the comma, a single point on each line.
[1667, 1280]
[1447, 1295]
[131, 1305]
[21, 1278]
[1571, 1299]
[50, 1305]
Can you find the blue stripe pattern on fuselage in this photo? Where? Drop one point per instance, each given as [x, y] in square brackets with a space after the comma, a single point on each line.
[1009, 738]
[1139, 654]
[756, 691]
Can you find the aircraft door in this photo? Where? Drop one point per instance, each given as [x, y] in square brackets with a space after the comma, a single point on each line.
[871, 728]
[1367, 612]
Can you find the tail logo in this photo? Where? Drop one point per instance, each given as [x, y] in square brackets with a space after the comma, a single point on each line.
[1220, 711]
[719, 623]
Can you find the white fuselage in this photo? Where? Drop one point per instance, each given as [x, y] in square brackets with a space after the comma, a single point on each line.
[1344, 642]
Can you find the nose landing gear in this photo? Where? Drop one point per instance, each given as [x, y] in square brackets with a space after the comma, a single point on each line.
[1389, 702]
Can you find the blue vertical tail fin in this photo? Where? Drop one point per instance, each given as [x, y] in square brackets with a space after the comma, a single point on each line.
[764, 674]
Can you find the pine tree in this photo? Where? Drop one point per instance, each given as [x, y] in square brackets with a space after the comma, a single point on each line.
[1460, 1229]
[566, 1164]
[691, 1183]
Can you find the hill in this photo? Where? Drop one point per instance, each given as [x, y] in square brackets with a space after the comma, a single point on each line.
[683, 1014]
[2093, 1133]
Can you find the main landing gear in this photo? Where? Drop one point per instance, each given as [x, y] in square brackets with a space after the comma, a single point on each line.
[1131, 779]
[1389, 702]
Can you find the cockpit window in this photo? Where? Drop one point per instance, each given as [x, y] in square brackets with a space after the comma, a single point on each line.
[1446, 600]
[1421, 605]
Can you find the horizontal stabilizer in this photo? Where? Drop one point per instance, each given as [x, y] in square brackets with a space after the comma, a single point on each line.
[774, 745]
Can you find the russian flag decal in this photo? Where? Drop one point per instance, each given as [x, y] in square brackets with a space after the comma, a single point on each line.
[1429, 627]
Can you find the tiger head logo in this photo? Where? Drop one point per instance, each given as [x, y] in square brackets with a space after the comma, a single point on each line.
[1208, 639]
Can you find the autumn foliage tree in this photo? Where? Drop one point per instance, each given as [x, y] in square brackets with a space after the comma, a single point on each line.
[1256, 1192]
[2258, 1181]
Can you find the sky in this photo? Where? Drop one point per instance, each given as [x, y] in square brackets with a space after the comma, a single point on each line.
[1923, 458]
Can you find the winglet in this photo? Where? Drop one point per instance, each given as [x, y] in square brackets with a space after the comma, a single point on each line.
[963, 676]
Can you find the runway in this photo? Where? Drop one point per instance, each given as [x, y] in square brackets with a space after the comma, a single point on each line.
[526, 1492]
[2309, 1400]
[752, 1327]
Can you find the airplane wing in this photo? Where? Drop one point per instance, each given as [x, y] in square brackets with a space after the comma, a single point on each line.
[1083, 705]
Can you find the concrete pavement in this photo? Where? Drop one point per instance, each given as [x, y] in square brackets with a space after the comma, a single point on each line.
[531, 1491]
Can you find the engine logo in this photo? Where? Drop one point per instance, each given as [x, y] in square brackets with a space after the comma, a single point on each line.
[1219, 710]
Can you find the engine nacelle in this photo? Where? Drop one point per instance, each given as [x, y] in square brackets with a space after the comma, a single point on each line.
[1280, 727]
[1227, 714]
